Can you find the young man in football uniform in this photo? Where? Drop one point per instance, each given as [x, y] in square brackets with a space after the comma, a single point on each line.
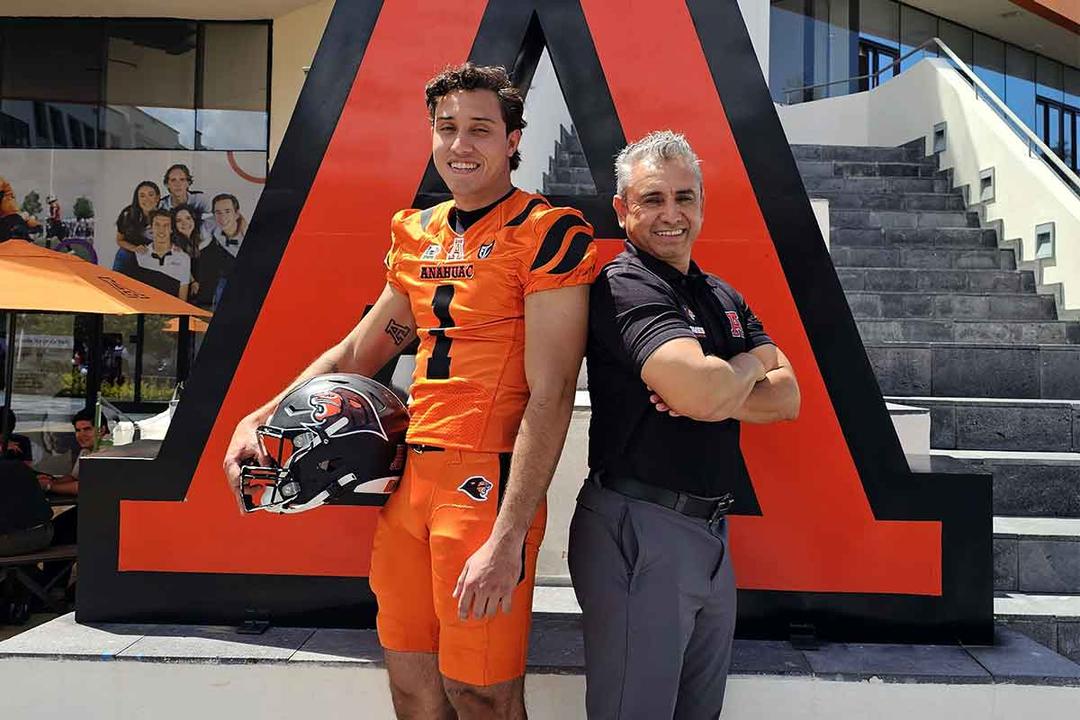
[495, 284]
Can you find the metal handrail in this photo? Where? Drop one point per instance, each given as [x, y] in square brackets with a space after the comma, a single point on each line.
[890, 66]
[1046, 154]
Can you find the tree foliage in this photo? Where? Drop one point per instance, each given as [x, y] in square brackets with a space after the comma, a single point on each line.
[83, 208]
[32, 203]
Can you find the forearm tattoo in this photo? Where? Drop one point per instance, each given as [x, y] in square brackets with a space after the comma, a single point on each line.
[397, 332]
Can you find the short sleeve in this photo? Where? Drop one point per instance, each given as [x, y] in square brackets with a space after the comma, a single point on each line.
[753, 328]
[646, 314]
[393, 255]
[565, 252]
[186, 271]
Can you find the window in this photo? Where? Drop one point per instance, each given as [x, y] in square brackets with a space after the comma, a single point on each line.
[1056, 125]
[916, 27]
[232, 107]
[1049, 79]
[990, 63]
[134, 84]
[876, 58]
[13, 131]
[812, 44]
[787, 41]
[1020, 83]
[54, 62]
[150, 92]
[957, 38]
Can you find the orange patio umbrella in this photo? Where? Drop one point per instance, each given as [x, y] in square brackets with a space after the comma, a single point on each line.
[172, 325]
[35, 279]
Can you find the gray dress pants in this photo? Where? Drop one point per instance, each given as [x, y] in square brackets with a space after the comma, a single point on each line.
[657, 593]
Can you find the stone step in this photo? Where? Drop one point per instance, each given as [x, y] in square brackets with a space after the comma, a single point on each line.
[1009, 424]
[861, 153]
[951, 306]
[572, 175]
[892, 201]
[928, 280]
[973, 331]
[942, 258]
[114, 671]
[1053, 621]
[976, 370]
[900, 219]
[938, 184]
[1037, 555]
[844, 168]
[960, 238]
[1027, 484]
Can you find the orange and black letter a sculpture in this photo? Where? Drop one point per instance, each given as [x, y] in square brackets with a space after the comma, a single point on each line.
[833, 529]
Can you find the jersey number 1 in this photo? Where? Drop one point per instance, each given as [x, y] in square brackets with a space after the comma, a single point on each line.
[438, 367]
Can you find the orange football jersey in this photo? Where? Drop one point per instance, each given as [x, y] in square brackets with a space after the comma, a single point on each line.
[467, 294]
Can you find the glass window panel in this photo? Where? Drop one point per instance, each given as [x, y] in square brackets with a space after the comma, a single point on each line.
[1069, 140]
[1049, 80]
[879, 20]
[1053, 136]
[41, 120]
[787, 50]
[916, 27]
[1020, 83]
[990, 63]
[56, 63]
[56, 123]
[14, 132]
[150, 93]
[1072, 87]
[232, 111]
[159, 360]
[49, 383]
[1040, 122]
[75, 133]
[837, 41]
[118, 357]
[957, 38]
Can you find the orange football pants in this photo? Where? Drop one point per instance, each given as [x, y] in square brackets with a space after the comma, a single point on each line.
[440, 514]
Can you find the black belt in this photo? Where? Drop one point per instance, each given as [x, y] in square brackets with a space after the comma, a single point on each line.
[705, 508]
[427, 448]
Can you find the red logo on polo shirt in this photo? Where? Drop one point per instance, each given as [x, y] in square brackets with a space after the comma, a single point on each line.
[733, 320]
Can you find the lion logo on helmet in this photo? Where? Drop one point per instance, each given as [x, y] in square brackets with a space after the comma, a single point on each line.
[341, 411]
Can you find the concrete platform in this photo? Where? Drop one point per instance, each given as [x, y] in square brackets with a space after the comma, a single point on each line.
[122, 672]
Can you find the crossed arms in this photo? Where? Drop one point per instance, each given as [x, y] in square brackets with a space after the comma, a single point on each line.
[758, 386]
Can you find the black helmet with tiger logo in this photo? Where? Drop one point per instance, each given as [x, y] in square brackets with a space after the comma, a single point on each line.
[334, 439]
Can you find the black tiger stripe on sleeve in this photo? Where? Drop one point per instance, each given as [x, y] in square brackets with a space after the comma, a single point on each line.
[553, 240]
[524, 214]
[579, 245]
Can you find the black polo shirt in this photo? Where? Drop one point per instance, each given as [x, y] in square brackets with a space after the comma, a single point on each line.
[637, 304]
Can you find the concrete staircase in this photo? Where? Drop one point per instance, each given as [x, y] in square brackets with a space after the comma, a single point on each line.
[951, 324]
[568, 170]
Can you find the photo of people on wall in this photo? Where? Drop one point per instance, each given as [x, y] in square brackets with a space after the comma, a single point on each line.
[193, 256]
[204, 200]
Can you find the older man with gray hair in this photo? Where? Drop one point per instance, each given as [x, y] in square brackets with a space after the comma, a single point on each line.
[676, 361]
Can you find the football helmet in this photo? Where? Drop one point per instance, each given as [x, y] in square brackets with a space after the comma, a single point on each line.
[337, 438]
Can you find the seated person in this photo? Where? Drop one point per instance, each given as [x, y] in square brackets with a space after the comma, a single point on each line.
[14, 446]
[85, 436]
[25, 515]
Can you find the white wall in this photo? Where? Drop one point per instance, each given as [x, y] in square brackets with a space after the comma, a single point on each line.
[756, 16]
[1028, 192]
